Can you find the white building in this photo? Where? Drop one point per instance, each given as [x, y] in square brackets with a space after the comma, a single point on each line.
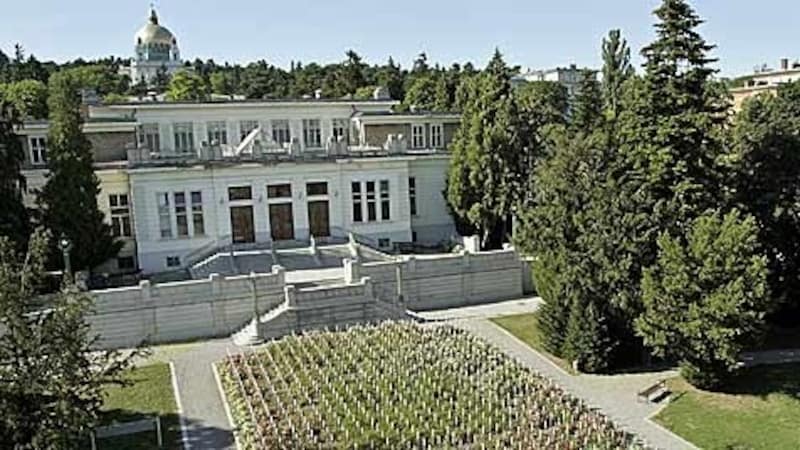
[569, 77]
[766, 80]
[180, 180]
[155, 48]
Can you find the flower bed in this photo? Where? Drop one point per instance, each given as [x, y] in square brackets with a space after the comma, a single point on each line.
[399, 386]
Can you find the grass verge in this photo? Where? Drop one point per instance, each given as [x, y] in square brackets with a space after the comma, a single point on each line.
[760, 409]
[525, 327]
[150, 394]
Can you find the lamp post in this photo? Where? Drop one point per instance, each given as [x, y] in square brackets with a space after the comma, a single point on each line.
[65, 245]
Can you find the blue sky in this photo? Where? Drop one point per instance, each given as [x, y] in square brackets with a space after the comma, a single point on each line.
[531, 33]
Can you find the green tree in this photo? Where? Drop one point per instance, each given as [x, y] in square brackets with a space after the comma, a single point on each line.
[766, 182]
[587, 343]
[587, 105]
[392, 78]
[617, 69]
[352, 73]
[52, 376]
[365, 93]
[27, 97]
[68, 200]
[543, 103]
[421, 94]
[161, 80]
[14, 217]
[222, 83]
[706, 297]
[484, 180]
[187, 86]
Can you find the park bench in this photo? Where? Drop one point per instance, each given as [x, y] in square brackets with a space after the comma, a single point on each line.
[653, 393]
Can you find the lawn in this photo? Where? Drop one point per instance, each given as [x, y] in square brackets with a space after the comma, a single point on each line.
[150, 394]
[525, 328]
[760, 410]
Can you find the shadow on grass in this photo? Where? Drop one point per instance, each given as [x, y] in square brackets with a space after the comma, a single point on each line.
[763, 381]
[199, 435]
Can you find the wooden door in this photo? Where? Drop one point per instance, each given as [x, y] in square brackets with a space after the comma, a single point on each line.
[242, 229]
[281, 221]
[318, 219]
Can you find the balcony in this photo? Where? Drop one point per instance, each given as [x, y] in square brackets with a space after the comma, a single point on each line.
[257, 147]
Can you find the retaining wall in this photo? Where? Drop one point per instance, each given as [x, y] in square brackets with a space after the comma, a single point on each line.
[184, 310]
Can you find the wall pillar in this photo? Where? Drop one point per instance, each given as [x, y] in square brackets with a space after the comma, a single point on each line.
[291, 296]
[352, 271]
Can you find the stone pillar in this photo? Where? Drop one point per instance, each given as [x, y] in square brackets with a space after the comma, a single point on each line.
[216, 285]
[352, 271]
[280, 273]
[149, 323]
[369, 289]
[312, 247]
[472, 244]
[291, 296]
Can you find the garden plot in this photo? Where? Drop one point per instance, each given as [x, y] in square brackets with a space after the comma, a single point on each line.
[402, 386]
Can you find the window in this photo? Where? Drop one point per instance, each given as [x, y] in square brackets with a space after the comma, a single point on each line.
[120, 215]
[149, 137]
[246, 127]
[281, 132]
[125, 263]
[197, 213]
[312, 133]
[217, 133]
[320, 188]
[413, 236]
[173, 261]
[372, 210]
[385, 210]
[417, 136]
[279, 191]
[355, 186]
[412, 195]
[164, 220]
[181, 220]
[184, 137]
[384, 243]
[38, 150]
[240, 193]
[436, 135]
[340, 127]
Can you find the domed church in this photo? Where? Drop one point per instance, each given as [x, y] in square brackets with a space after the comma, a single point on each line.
[155, 48]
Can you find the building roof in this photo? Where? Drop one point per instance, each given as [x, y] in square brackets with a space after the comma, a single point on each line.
[253, 102]
[153, 33]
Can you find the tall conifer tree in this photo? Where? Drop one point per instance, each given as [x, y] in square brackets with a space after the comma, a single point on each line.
[68, 200]
[14, 220]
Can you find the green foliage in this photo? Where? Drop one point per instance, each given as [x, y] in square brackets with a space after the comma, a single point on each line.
[543, 103]
[706, 297]
[222, 83]
[421, 94]
[261, 80]
[187, 86]
[27, 97]
[587, 105]
[14, 217]
[51, 379]
[617, 70]
[487, 166]
[101, 78]
[766, 180]
[365, 93]
[68, 200]
[587, 341]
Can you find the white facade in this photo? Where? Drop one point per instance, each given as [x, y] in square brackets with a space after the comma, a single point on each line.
[183, 205]
[569, 77]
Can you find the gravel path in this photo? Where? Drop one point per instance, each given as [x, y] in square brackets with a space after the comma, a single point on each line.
[614, 395]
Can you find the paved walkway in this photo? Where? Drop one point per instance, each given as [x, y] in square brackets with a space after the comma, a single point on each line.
[771, 357]
[205, 424]
[614, 395]
[510, 307]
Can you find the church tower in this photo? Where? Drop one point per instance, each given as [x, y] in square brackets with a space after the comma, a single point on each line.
[155, 49]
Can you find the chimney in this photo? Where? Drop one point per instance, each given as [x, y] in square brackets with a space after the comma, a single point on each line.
[784, 63]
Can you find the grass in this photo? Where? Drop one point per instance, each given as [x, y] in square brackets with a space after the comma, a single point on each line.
[150, 394]
[760, 409]
[525, 328]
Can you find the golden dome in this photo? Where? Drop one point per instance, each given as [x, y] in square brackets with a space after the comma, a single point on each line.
[153, 33]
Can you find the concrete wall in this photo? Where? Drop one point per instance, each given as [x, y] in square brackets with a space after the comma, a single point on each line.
[221, 306]
[448, 280]
[182, 311]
